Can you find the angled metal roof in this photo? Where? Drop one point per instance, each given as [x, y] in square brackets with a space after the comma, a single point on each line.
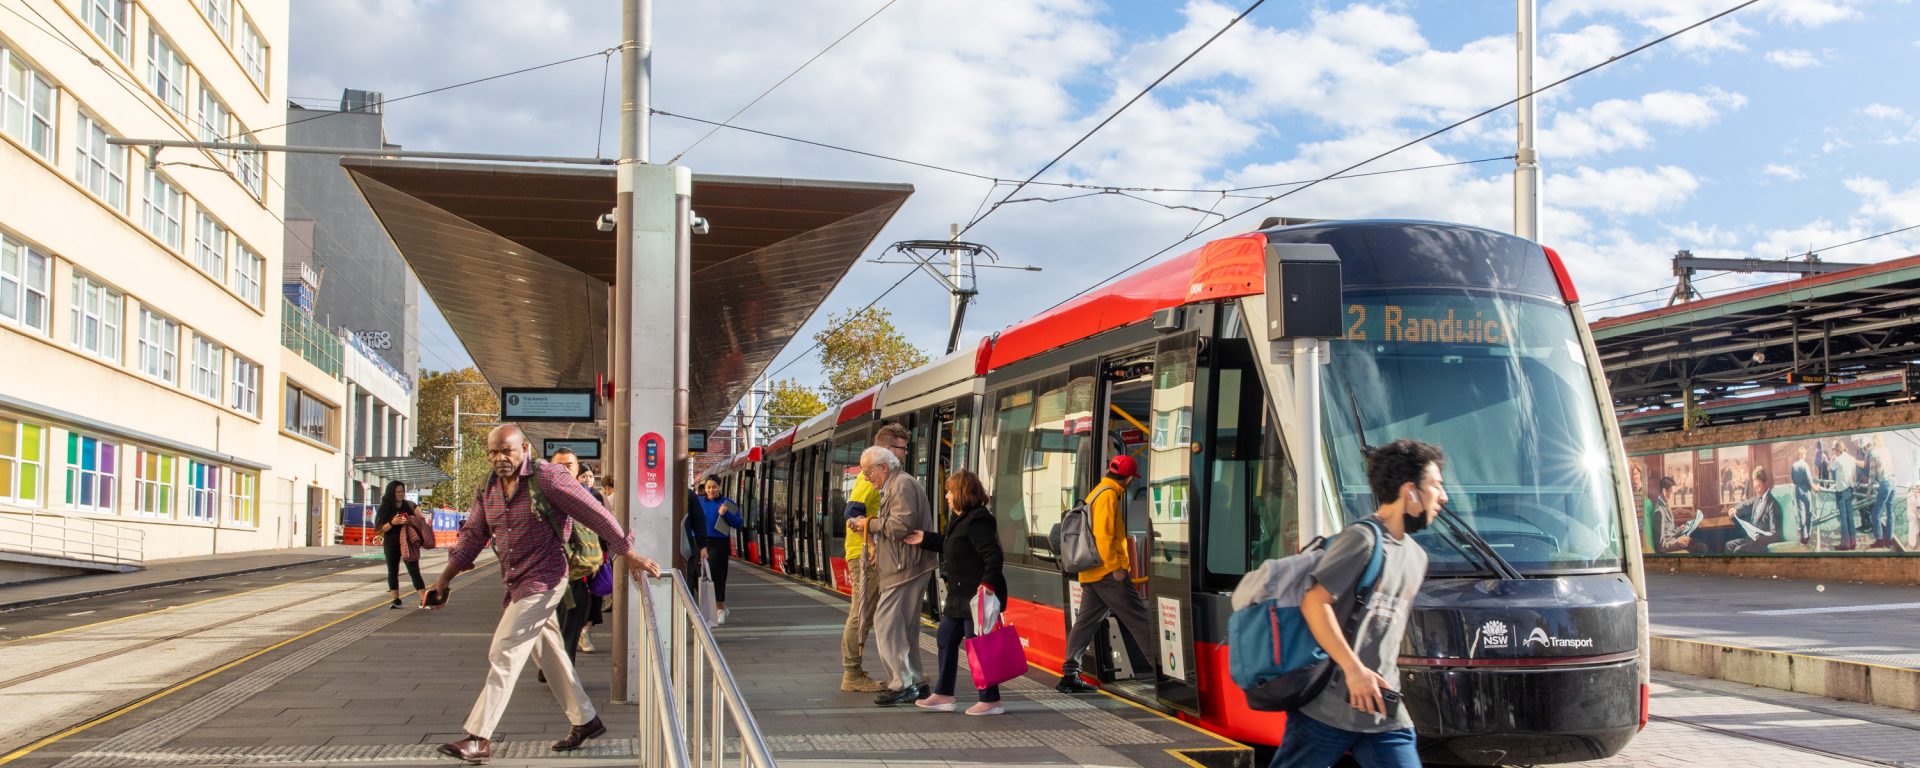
[1735, 350]
[407, 469]
[512, 257]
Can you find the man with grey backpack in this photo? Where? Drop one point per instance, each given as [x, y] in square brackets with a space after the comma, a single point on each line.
[1107, 586]
[1359, 710]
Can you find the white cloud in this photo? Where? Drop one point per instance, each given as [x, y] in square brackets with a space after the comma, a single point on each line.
[1622, 191]
[1617, 124]
[1881, 201]
[1811, 13]
[1884, 112]
[1786, 172]
[1660, 16]
[1793, 58]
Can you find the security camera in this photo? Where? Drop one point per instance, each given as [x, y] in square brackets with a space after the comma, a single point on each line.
[699, 224]
[606, 223]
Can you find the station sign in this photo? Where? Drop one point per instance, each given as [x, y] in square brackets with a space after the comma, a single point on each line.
[585, 449]
[547, 404]
[696, 441]
[1814, 378]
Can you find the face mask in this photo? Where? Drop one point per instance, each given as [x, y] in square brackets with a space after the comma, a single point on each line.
[1415, 521]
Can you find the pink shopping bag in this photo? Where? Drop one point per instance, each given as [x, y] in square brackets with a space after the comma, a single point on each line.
[996, 657]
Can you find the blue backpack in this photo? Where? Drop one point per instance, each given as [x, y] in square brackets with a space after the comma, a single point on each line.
[1271, 654]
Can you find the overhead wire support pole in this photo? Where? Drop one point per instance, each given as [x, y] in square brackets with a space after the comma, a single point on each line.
[1526, 162]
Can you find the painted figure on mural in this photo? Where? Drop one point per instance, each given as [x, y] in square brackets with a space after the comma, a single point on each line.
[1758, 517]
[1802, 476]
[1672, 536]
[1913, 512]
[1846, 470]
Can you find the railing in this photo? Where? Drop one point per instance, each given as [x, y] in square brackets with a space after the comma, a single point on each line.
[301, 333]
[688, 691]
[74, 538]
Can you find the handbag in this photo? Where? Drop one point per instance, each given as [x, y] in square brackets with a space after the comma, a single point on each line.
[709, 606]
[996, 657]
[602, 582]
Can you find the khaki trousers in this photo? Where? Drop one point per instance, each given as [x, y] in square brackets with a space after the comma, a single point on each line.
[896, 630]
[866, 596]
[528, 628]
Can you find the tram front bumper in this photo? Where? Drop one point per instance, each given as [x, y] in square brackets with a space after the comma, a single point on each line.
[1524, 715]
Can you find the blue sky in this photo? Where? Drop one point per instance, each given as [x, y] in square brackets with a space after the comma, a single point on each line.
[1787, 126]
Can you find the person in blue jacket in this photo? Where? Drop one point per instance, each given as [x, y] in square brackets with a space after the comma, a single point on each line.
[716, 544]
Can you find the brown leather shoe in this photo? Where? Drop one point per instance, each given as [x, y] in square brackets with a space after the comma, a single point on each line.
[472, 749]
[579, 735]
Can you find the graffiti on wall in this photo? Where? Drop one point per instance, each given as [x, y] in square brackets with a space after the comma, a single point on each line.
[1848, 493]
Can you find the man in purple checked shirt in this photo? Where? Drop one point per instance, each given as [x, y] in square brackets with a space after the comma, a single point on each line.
[533, 563]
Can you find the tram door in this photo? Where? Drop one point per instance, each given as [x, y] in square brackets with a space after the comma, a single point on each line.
[1149, 396]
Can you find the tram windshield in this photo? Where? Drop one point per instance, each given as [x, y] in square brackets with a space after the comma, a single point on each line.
[1500, 383]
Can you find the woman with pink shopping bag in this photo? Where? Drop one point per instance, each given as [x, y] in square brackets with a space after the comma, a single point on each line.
[970, 561]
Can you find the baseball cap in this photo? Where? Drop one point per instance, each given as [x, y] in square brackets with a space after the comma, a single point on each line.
[1123, 466]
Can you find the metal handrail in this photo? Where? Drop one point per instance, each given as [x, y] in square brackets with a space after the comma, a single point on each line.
[665, 742]
[73, 538]
[709, 703]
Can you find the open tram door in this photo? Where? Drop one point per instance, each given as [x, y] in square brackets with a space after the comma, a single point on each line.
[1146, 398]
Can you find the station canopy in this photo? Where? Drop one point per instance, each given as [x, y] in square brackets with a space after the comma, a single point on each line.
[1860, 327]
[512, 256]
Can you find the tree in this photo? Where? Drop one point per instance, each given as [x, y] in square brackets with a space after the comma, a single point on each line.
[860, 350]
[788, 404]
[438, 391]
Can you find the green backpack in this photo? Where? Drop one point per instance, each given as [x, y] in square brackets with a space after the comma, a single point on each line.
[583, 547]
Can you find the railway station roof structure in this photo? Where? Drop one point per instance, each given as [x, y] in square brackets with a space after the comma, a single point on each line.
[512, 256]
[1735, 351]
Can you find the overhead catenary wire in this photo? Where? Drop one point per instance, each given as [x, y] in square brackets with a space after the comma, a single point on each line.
[1422, 138]
[1115, 114]
[783, 81]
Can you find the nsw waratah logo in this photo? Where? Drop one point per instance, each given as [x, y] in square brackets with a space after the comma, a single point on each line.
[1493, 634]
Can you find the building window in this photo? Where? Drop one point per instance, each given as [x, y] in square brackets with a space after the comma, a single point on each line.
[216, 121]
[243, 498]
[252, 168]
[219, 13]
[96, 313]
[23, 461]
[152, 484]
[27, 102]
[91, 476]
[247, 267]
[253, 52]
[110, 19]
[99, 166]
[166, 73]
[210, 246]
[159, 346]
[203, 491]
[166, 209]
[246, 386]
[308, 416]
[204, 378]
[25, 277]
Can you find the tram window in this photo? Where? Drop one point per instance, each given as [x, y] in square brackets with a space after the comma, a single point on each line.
[1038, 444]
[920, 457]
[962, 436]
[1169, 460]
[1251, 516]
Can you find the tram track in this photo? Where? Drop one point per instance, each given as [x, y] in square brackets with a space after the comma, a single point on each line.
[185, 633]
[1750, 736]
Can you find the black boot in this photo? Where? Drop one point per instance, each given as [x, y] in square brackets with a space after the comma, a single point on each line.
[1070, 681]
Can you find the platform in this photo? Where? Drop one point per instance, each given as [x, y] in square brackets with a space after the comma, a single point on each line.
[372, 686]
[179, 570]
[1866, 623]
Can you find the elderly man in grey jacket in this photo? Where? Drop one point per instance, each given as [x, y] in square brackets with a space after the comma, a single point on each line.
[902, 570]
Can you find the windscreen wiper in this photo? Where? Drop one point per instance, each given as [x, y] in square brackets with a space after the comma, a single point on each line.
[1495, 563]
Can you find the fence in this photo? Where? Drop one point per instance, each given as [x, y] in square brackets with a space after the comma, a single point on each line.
[689, 702]
[301, 333]
[72, 538]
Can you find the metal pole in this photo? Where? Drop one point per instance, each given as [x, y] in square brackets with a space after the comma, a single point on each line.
[632, 114]
[1306, 377]
[1526, 162]
[955, 302]
[456, 440]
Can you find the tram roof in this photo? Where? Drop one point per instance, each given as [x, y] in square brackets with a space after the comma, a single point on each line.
[1739, 346]
[938, 381]
[1226, 268]
[488, 238]
[814, 429]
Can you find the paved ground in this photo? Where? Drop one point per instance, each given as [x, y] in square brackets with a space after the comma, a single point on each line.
[1860, 622]
[314, 671]
[164, 572]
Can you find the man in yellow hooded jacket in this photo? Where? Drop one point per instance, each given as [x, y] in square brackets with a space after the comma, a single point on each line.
[1108, 587]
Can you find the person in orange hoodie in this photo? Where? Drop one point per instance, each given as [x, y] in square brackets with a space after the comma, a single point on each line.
[1108, 587]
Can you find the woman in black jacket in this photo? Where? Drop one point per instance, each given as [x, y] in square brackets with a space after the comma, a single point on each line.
[969, 557]
[395, 514]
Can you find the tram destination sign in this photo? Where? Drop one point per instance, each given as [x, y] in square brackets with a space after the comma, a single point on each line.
[547, 404]
[585, 449]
